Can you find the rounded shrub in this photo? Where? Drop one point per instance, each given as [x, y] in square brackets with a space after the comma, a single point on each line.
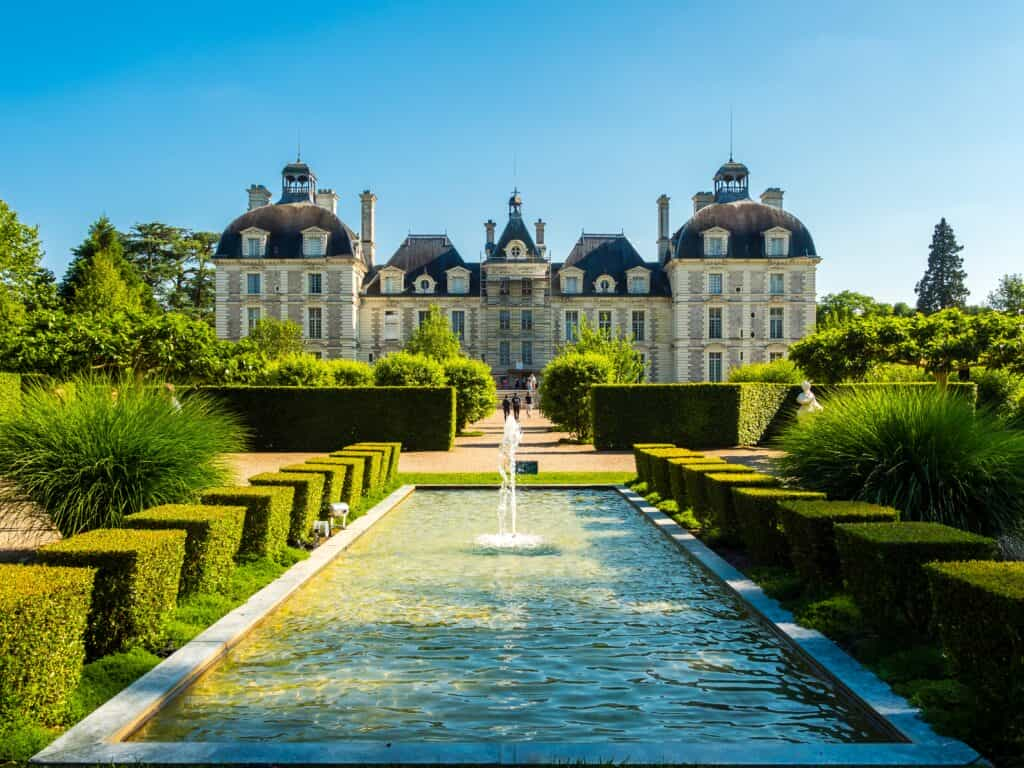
[114, 449]
[475, 392]
[565, 390]
[405, 369]
[350, 373]
[297, 370]
[782, 371]
[922, 451]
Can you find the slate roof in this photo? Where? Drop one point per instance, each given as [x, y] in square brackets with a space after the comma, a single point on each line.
[285, 222]
[746, 221]
[516, 229]
[611, 255]
[429, 255]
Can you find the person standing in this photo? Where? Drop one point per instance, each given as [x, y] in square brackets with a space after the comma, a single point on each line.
[529, 403]
[506, 406]
[516, 404]
[531, 384]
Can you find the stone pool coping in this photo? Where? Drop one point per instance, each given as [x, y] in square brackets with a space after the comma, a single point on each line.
[96, 740]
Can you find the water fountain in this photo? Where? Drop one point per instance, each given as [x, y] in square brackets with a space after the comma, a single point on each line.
[507, 536]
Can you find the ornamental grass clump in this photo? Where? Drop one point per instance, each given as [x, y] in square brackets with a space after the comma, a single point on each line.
[922, 451]
[114, 448]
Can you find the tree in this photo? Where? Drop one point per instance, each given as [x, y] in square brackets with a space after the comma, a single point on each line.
[943, 285]
[105, 240]
[846, 305]
[405, 369]
[475, 392]
[24, 284]
[434, 338]
[275, 338]
[175, 263]
[627, 363]
[1009, 296]
[101, 288]
[565, 391]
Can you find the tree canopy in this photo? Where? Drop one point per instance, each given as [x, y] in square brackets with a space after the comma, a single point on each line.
[435, 337]
[1009, 295]
[24, 284]
[275, 338]
[100, 278]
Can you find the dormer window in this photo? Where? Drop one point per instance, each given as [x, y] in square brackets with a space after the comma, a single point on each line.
[457, 284]
[253, 247]
[391, 282]
[639, 281]
[424, 285]
[716, 241]
[776, 246]
[516, 250]
[572, 284]
[605, 284]
[776, 242]
[254, 243]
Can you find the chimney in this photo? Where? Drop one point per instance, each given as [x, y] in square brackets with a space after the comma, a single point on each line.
[328, 199]
[366, 236]
[663, 227]
[539, 224]
[489, 225]
[702, 200]
[259, 196]
[772, 197]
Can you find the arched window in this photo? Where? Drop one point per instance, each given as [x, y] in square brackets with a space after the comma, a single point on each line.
[515, 252]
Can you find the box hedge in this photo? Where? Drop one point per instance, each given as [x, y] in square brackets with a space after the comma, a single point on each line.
[640, 458]
[136, 589]
[658, 461]
[322, 418]
[697, 489]
[371, 467]
[267, 515]
[394, 456]
[720, 500]
[382, 473]
[10, 394]
[978, 610]
[43, 618]
[759, 522]
[677, 482]
[883, 567]
[352, 493]
[307, 501]
[808, 526]
[213, 534]
[333, 475]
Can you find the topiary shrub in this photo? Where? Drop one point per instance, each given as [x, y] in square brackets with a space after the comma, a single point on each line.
[298, 369]
[333, 475]
[658, 459]
[371, 467]
[136, 588]
[475, 392]
[759, 523]
[10, 394]
[405, 369]
[385, 459]
[978, 610]
[697, 489]
[809, 530]
[307, 501]
[782, 371]
[352, 493]
[267, 515]
[565, 390]
[720, 486]
[394, 456]
[643, 468]
[213, 535]
[882, 565]
[350, 373]
[43, 619]
[677, 483]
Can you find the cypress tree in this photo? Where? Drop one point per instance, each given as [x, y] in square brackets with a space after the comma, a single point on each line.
[102, 253]
[943, 285]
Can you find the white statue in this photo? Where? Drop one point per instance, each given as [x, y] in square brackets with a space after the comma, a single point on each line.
[808, 402]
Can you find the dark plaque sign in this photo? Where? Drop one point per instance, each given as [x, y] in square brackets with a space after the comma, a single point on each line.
[526, 467]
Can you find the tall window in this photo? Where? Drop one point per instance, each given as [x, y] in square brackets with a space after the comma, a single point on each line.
[639, 325]
[714, 246]
[527, 353]
[572, 284]
[714, 322]
[390, 284]
[775, 323]
[526, 320]
[459, 323]
[390, 325]
[456, 284]
[253, 283]
[503, 286]
[315, 281]
[252, 316]
[314, 245]
[604, 321]
[776, 284]
[714, 366]
[776, 246]
[252, 247]
[715, 282]
[527, 287]
[637, 284]
[572, 324]
[504, 320]
[504, 353]
[422, 316]
[315, 324]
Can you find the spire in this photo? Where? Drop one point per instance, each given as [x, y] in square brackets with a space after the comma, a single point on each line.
[730, 133]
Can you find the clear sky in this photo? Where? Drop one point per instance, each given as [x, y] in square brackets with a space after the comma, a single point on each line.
[877, 118]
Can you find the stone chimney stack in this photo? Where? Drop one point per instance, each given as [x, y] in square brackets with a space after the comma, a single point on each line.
[773, 197]
[489, 226]
[368, 225]
[259, 196]
[328, 199]
[539, 225]
[663, 227]
[702, 200]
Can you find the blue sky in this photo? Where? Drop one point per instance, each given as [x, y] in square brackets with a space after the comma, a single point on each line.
[876, 118]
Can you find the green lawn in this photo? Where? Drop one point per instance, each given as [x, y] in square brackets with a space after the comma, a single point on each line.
[492, 478]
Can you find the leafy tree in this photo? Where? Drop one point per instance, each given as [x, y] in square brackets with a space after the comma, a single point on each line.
[297, 370]
[565, 389]
[275, 338]
[902, 309]
[175, 263]
[101, 287]
[113, 283]
[405, 369]
[351, 373]
[846, 305]
[1009, 296]
[475, 392]
[434, 338]
[627, 363]
[782, 371]
[24, 284]
[943, 285]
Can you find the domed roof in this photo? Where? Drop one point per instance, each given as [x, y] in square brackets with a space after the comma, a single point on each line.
[731, 171]
[746, 221]
[285, 223]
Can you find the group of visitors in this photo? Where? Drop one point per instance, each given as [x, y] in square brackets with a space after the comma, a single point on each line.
[514, 403]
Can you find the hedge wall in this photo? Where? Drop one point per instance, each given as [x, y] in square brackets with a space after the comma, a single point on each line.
[322, 418]
[43, 616]
[268, 512]
[759, 521]
[394, 454]
[704, 415]
[677, 481]
[333, 475]
[641, 457]
[137, 576]
[371, 467]
[306, 503]
[696, 488]
[10, 394]
[352, 492]
[213, 535]
[720, 486]
[657, 459]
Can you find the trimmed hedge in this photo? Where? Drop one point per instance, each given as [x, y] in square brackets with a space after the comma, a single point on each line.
[640, 457]
[267, 515]
[212, 536]
[677, 482]
[307, 501]
[696, 488]
[812, 543]
[43, 617]
[136, 589]
[333, 475]
[384, 453]
[720, 501]
[882, 564]
[10, 394]
[658, 460]
[759, 523]
[395, 454]
[371, 467]
[352, 493]
[321, 418]
[978, 610]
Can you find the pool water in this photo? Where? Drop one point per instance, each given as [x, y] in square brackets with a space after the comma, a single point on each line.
[605, 632]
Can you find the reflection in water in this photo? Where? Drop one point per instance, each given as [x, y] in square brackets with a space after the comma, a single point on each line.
[416, 634]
